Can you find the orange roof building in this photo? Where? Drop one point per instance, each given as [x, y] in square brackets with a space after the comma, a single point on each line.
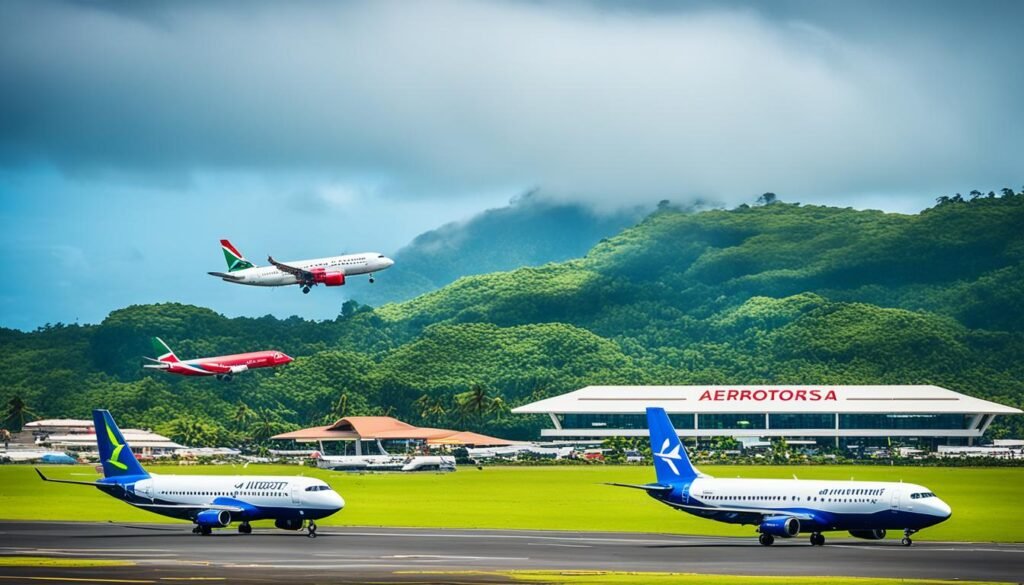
[382, 428]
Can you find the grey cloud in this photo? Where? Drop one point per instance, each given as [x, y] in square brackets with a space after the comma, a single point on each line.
[599, 101]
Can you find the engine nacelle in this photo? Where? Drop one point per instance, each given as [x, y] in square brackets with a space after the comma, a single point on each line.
[213, 518]
[239, 369]
[332, 278]
[781, 526]
[289, 524]
[876, 534]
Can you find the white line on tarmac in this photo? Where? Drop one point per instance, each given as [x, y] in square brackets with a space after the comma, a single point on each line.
[456, 558]
[561, 545]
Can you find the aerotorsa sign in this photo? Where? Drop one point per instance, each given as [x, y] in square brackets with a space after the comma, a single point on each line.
[762, 395]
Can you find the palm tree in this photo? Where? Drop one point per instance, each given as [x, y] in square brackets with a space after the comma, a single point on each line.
[16, 411]
[242, 415]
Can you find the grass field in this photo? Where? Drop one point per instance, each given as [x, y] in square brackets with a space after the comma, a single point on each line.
[986, 502]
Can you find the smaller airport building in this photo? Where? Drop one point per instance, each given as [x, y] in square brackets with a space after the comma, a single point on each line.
[826, 415]
[356, 431]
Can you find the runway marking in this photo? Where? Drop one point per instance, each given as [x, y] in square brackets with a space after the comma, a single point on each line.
[76, 579]
[535, 537]
[561, 545]
[456, 558]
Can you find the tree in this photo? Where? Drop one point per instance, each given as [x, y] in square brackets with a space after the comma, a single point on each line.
[242, 415]
[767, 198]
[16, 411]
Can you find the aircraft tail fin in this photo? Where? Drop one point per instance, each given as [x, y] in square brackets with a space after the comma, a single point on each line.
[164, 354]
[671, 463]
[116, 455]
[233, 257]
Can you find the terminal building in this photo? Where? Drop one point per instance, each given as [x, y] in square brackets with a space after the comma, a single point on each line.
[826, 415]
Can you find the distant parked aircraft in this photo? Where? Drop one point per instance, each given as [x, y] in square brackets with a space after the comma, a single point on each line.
[330, 271]
[786, 507]
[223, 366]
[209, 501]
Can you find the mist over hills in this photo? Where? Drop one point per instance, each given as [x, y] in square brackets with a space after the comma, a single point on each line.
[779, 293]
[532, 230]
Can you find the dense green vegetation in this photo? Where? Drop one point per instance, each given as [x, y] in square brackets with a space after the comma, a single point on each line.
[778, 293]
[984, 500]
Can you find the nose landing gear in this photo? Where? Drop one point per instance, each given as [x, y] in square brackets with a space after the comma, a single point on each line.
[371, 279]
[305, 289]
[311, 529]
[906, 537]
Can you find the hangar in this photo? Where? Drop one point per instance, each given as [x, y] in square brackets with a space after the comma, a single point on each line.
[843, 415]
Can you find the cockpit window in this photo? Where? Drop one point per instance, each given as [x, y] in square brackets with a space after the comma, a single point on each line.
[922, 495]
[317, 488]
[380, 255]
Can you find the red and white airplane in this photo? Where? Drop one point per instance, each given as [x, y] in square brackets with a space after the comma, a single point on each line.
[224, 366]
[329, 271]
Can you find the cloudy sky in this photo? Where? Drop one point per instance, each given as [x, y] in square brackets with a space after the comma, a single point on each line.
[134, 135]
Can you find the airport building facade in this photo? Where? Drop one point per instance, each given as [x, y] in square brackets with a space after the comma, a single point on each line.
[826, 415]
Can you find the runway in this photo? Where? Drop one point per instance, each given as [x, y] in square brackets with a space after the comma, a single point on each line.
[167, 552]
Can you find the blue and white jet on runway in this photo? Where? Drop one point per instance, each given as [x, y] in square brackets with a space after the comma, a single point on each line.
[209, 501]
[786, 507]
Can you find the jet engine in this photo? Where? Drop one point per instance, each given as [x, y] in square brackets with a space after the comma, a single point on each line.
[786, 527]
[876, 534]
[239, 369]
[213, 518]
[288, 524]
[322, 276]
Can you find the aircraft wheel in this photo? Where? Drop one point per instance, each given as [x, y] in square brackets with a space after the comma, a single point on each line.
[245, 528]
[817, 539]
[305, 290]
[196, 530]
[906, 541]
[371, 280]
[765, 539]
[227, 378]
[312, 529]
[205, 530]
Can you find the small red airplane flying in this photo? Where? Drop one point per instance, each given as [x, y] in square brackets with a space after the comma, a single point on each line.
[224, 366]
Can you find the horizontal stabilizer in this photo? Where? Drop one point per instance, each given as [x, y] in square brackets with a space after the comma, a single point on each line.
[651, 487]
[225, 276]
[92, 483]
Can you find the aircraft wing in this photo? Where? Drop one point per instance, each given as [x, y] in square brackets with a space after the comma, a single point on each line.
[651, 487]
[197, 507]
[758, 512]
[225, 275]
[297, 272]
[215, 367]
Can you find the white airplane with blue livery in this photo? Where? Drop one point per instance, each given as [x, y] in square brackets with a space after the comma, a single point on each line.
[785, 508]
[209, 501]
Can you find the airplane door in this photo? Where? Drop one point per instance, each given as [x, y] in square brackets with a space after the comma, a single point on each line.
[894, 500]
[295, 494]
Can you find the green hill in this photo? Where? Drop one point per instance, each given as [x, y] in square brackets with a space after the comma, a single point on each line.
[778, 293]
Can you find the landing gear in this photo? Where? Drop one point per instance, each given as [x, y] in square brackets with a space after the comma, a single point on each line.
[765, 539]
[906, 537]
[305, 289]
[311, 529]
[371, 279]
[245, 528]
[224, 377]
[817, 539]
[204, 530]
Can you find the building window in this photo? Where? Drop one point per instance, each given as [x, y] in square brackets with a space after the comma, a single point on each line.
[732, 421]
[619, 421]
[903, 421]
[815, 420]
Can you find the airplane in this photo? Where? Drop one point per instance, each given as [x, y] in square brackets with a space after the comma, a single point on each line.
[223, 366]
[209, 501]
[330, 271]
[786, 507]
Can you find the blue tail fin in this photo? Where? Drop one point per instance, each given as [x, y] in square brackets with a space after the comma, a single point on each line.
[670, 461]
[116, 455]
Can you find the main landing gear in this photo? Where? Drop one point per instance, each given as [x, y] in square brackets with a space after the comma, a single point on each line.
[765, 539]
[817, 539]
[311, 529]
[906, 537]
[245, 528]
[224, 377]
[305, 289]
[204, 530]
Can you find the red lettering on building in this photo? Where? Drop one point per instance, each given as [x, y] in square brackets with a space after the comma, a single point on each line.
[760, 395]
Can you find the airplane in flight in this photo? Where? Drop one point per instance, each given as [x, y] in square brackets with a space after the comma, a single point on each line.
[785, 508]
[209, 501]
[330, 271]
[223, 366]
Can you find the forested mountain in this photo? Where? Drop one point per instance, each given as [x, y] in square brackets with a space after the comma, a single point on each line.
[532, 230]
[778, 293]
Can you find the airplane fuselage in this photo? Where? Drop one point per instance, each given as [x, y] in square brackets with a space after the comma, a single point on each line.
[818, 505]
[248, 497]
[348, 265]
[236, 363]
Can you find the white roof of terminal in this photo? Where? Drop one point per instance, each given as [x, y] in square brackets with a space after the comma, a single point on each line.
[764, 398]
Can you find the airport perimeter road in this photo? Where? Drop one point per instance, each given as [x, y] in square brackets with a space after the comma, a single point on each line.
[400, 554]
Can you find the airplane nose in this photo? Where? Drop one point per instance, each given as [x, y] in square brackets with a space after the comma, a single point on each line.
[286, 359]
[943, 509]
[337, 500]
[389, 262]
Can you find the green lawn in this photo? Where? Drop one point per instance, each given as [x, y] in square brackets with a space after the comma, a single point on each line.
[986, 502]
